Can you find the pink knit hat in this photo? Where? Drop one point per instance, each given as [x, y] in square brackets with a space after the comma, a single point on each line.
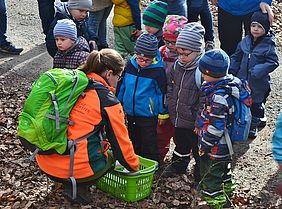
[173, 25]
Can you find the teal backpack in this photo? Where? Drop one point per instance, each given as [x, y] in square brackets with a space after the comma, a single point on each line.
[44, 119]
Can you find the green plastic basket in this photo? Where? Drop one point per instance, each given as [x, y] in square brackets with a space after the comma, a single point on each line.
[129, 186]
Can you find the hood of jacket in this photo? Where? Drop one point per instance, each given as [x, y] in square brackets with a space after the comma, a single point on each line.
[61, 9]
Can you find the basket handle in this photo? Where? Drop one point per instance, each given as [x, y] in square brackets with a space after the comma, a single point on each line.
[137, 172]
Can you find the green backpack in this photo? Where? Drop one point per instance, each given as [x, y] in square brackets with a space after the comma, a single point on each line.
[44, 119]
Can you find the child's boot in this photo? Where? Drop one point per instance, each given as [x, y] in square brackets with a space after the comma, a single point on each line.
[177, 167]
[262, 123]
[254, 128]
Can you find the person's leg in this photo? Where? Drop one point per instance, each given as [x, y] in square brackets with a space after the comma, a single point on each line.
[229, 34]
[134, 134]
[247, 23]
[123, 43]
[257, 110]
[94, 21]
[102, 34]
[46, 13]
[3, 22]
[177, 7]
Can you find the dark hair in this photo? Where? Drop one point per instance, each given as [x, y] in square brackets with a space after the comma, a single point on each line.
[106, 59]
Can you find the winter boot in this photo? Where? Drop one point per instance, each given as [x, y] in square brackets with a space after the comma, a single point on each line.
[254, 128]
[177, 167]
[262, 122]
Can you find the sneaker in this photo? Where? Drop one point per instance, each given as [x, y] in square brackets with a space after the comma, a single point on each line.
[9, 48]
[209, 45]
[262, 122]
[253, 133]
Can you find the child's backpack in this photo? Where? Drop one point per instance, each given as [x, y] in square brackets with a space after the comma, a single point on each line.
[238, 128]
[44, 119]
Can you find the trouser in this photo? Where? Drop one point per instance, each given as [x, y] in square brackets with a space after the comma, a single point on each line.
[216, 181]
[186, 141]
[143, 134]
[202, 8]
[124, 42]
[230, 29]
[177, 7]
[164, 133]
[3, 22]
[97, 26]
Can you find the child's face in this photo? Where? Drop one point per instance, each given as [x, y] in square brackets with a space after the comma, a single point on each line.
[63, 43]
[151, 29]
[79, 14]
[186, 55]
[143, 61]
[170, 43]
[257, 30]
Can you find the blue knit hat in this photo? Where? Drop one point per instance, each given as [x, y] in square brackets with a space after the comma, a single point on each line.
[214, 63]
[262, 19]
[155, 14]
[65, 28]
[146, 45]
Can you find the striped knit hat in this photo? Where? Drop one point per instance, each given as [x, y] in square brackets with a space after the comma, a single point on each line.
[191, 37]
[155, 14]
[146, 45]
[214, 63]
[65, 28]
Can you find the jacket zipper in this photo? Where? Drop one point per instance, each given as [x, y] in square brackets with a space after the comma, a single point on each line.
[178, 95]
[136, 83]
[249, 57]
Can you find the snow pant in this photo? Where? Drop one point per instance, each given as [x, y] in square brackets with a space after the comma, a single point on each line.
[186, 141]
[3, 22]
[124, 41]
[216, 182]
[97, 26]
[231, 34]
[202, 8]
[164, 133]
[143, 134]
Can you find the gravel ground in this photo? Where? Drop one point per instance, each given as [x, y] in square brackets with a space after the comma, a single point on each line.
[22, 186]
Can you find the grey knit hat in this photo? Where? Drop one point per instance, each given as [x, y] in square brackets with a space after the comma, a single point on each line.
[80, 4]
[65, 28]
[146, 45]
[191, 37]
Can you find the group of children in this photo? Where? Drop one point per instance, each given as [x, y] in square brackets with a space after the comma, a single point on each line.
[159, 89]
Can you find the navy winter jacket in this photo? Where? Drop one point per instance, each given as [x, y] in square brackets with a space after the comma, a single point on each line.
[253, 62]
[142, 89]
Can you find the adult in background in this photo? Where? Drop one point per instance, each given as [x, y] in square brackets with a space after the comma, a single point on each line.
[6, 46]
[232, 14]
[97, 23]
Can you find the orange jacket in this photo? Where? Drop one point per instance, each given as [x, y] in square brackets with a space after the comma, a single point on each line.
[97, 110]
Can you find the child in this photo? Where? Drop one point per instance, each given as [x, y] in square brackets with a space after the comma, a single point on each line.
[184, 100]
[172, 27]
[127, 25]
[72, 51]
[253, 60]
[154, 17]
[142, 93]
[215, 158]
[202, 8]
[76, 10]
[97, 23]
[277, 148]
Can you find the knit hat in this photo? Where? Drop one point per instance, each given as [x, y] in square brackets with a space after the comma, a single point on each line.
[214, 63]
[191, 37]
[262, 19]
[80, 4]
[65, 28]
[155, 14]
[173, 25]
[146, 45]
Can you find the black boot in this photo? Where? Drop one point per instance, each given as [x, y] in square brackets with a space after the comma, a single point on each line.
[83, 194]
[254, 128]
[177, 167]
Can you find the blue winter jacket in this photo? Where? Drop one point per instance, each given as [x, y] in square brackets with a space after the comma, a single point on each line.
[142, 89]
[277, 140]
[241, 7]
[254, 62]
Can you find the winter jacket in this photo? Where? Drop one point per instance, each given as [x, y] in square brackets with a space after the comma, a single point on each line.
[277, 140]
[254, 62]
[142, 89]
[74, 57]
[127, 12]
[184, 98]
[98, 110]
[216, 115]
[62, 12]
[98, 5]
[241, 7]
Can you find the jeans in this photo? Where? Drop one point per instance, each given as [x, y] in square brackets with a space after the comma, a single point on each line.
[177, 7]
[3, 22]
[46, 13]
[202, 8]
[231, 34]
[97, 26]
